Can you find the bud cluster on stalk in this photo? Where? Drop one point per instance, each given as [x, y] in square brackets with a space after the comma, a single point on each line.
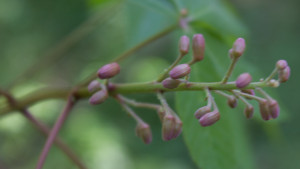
[176, 77]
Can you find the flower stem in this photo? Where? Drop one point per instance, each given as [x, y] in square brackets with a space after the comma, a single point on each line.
[242, 98]
[229, 71]
[55, 130]
[139, 104]
[249, 96]
[274, 72]
[129, 110]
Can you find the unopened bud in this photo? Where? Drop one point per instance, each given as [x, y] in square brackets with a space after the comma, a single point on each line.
[273, 108]
[109, 70]
[198, 47]
[168, 127]
[94, 86]
[264, 110]
[184, 12]
[144, 132]
[273, 83]
[99, 97]
[248, 91]
[177, 128]
[284, 74]
[201, 111]
[281, 64]
[184, 45]
[180, 71]
[209, 118]
[249, 110]
[238, 47]
[232, 102]
[243, 80]
[170, 83]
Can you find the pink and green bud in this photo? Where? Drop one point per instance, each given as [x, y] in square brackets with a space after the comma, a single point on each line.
[238, 48]
[109, 70]
[170, 83]
[273, 108]
[198, 47]
[248, 111]
[168, 127]
[184, 45]
[94, 86]
[281, 64]
[243, 80]
[264, 110]
[284, 74]
[180, 71]
[99, 97]
[144, 132]
[202, 111]
[177, 128]
[232, 102]
[209, 118]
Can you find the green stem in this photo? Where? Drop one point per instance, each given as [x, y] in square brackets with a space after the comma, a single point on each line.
[149, 87]
[249, 96]
[229, 71]
[274, 72]
[139, 104]
[129, 111]
[131, 51]
[164, 74]
[241, 98]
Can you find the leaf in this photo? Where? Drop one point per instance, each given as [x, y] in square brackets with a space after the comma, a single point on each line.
[223, 145]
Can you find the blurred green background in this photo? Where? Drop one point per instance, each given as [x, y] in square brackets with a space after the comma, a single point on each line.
[31, 33]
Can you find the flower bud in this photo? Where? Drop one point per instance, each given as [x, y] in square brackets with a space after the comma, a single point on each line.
[273, 108]
[232, 102]
[238, 47]
[170, 83]
[201, 111]
[243, 80]
[144, 132]
[99, 97]
[248, 111]
[198, 47]
[184, 45]
[94, 86]
[273, 83]
[180, 71]
[209, 118]
[168, 127]
[177, 128]
[264, 110]
[284, 74]
[109, 70]
[281, 64]
[248, 91]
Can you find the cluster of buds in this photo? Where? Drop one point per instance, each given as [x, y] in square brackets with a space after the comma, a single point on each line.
[177, 75]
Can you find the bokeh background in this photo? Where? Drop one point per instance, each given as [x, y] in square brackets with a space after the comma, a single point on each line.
[103, 136]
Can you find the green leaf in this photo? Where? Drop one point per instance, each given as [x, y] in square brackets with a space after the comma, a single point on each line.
[223, 145]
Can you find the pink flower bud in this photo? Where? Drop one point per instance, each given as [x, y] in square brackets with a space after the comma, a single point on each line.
[248, 111]
[180, 71]
[232, 102]
[284, 74]
[170, 83]
[201, 111]
[184, 45]
[243, 80]
[144, 132]
[238, 47]
[109, 70]
[273, 108]
[94, 86]
[209, 118]
[168, 127]
[99, 97]
[264, 110]
[198, 47]
[177, 128]
[281, 64]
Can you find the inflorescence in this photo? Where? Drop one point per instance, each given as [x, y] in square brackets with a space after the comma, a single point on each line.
[178, 75]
